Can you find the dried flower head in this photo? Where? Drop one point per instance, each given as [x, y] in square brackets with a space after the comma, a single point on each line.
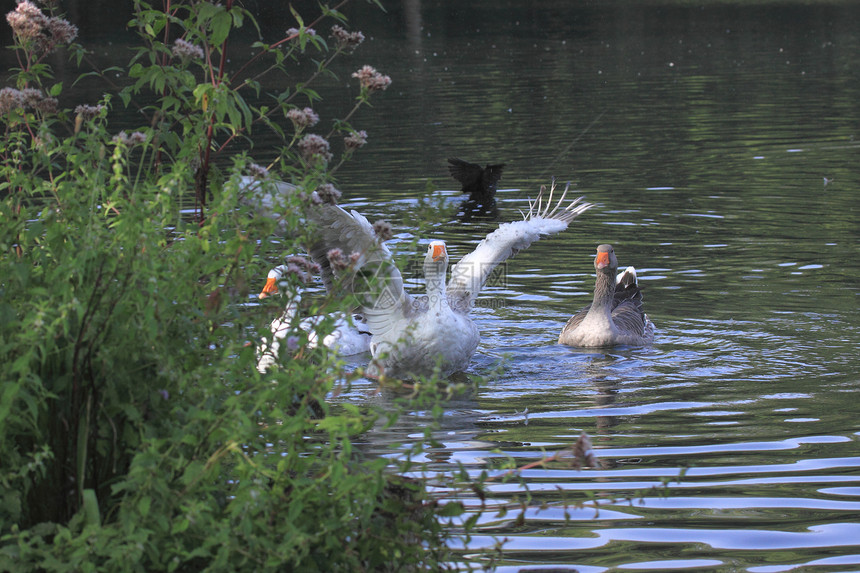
[257, 171]
[27, 21]
[135, 138]
[303, 118]
[10, 99]
[62, 32]
[355, 140]
[371, 80]
[27, 98]
[583, 453]
[32, 27]
[186, 51]
[336, 259]
[294, 32]
[328, 194]
[314, 147]
[302, 267]
[88, 112]
[382, 230]
[346, 40]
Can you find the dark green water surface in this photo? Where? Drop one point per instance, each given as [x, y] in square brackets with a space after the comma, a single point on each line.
[718, 141]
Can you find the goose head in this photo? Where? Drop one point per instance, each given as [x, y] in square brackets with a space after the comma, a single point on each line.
[605, 262]
[437, 252]
[271, 286]
[273, 279]
[436, 265]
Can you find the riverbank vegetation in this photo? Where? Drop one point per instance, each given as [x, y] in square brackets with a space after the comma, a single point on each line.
[136, 433]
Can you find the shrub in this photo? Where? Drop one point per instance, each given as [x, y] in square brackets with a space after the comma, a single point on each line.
[135, 432]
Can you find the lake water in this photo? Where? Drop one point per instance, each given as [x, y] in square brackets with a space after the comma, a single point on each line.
[720, 143]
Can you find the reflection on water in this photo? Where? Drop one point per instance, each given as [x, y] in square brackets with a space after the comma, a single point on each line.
[719, 143]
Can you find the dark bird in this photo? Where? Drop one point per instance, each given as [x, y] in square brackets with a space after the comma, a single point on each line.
[479, 182]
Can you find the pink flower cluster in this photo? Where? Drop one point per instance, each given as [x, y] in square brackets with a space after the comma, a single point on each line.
[339, 262]
[382, 230]
[346, 40]
[326, 193]
[257, 171]
[313, 147]
[129, 140]
[302, 267]
[27, 98]
[294, 32]
[88, 112]
[31, 26]
[355, 140]
[303, 118]
[371, 80]
[186, 51]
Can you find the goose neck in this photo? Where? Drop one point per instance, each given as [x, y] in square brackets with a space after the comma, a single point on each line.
[434, 277]
[604, 291]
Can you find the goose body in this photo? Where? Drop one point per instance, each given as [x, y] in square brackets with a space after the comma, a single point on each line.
[348, 334]
[415, 334]
[412, 336]
[615, 316]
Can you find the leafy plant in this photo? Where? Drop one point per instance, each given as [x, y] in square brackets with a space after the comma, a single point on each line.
[135, 432]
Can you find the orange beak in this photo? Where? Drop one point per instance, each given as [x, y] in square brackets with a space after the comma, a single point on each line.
[438, 252]
[602, 260]
[270, 288]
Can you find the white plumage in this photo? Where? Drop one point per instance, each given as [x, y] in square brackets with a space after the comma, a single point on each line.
[348, 334]
[414, 335]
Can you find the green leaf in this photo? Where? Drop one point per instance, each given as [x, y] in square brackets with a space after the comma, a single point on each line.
[143, 505]
[179, 526]
[452, 509]
[91, 507]
[220, 27]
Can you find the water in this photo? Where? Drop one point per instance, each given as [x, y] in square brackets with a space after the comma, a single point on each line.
[717, 140]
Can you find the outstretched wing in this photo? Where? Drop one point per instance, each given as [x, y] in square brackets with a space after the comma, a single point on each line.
[492, 175]
[475, 179]
[544, 218]
[372, 277]
[469, 174]
[269, 198]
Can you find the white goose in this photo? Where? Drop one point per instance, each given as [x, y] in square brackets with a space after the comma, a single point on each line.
[414, 336]
[347, 336]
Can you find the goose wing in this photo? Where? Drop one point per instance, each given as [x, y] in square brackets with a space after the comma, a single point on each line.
[268, 197]
[374, 277]
[627, 313]
[544, 218]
